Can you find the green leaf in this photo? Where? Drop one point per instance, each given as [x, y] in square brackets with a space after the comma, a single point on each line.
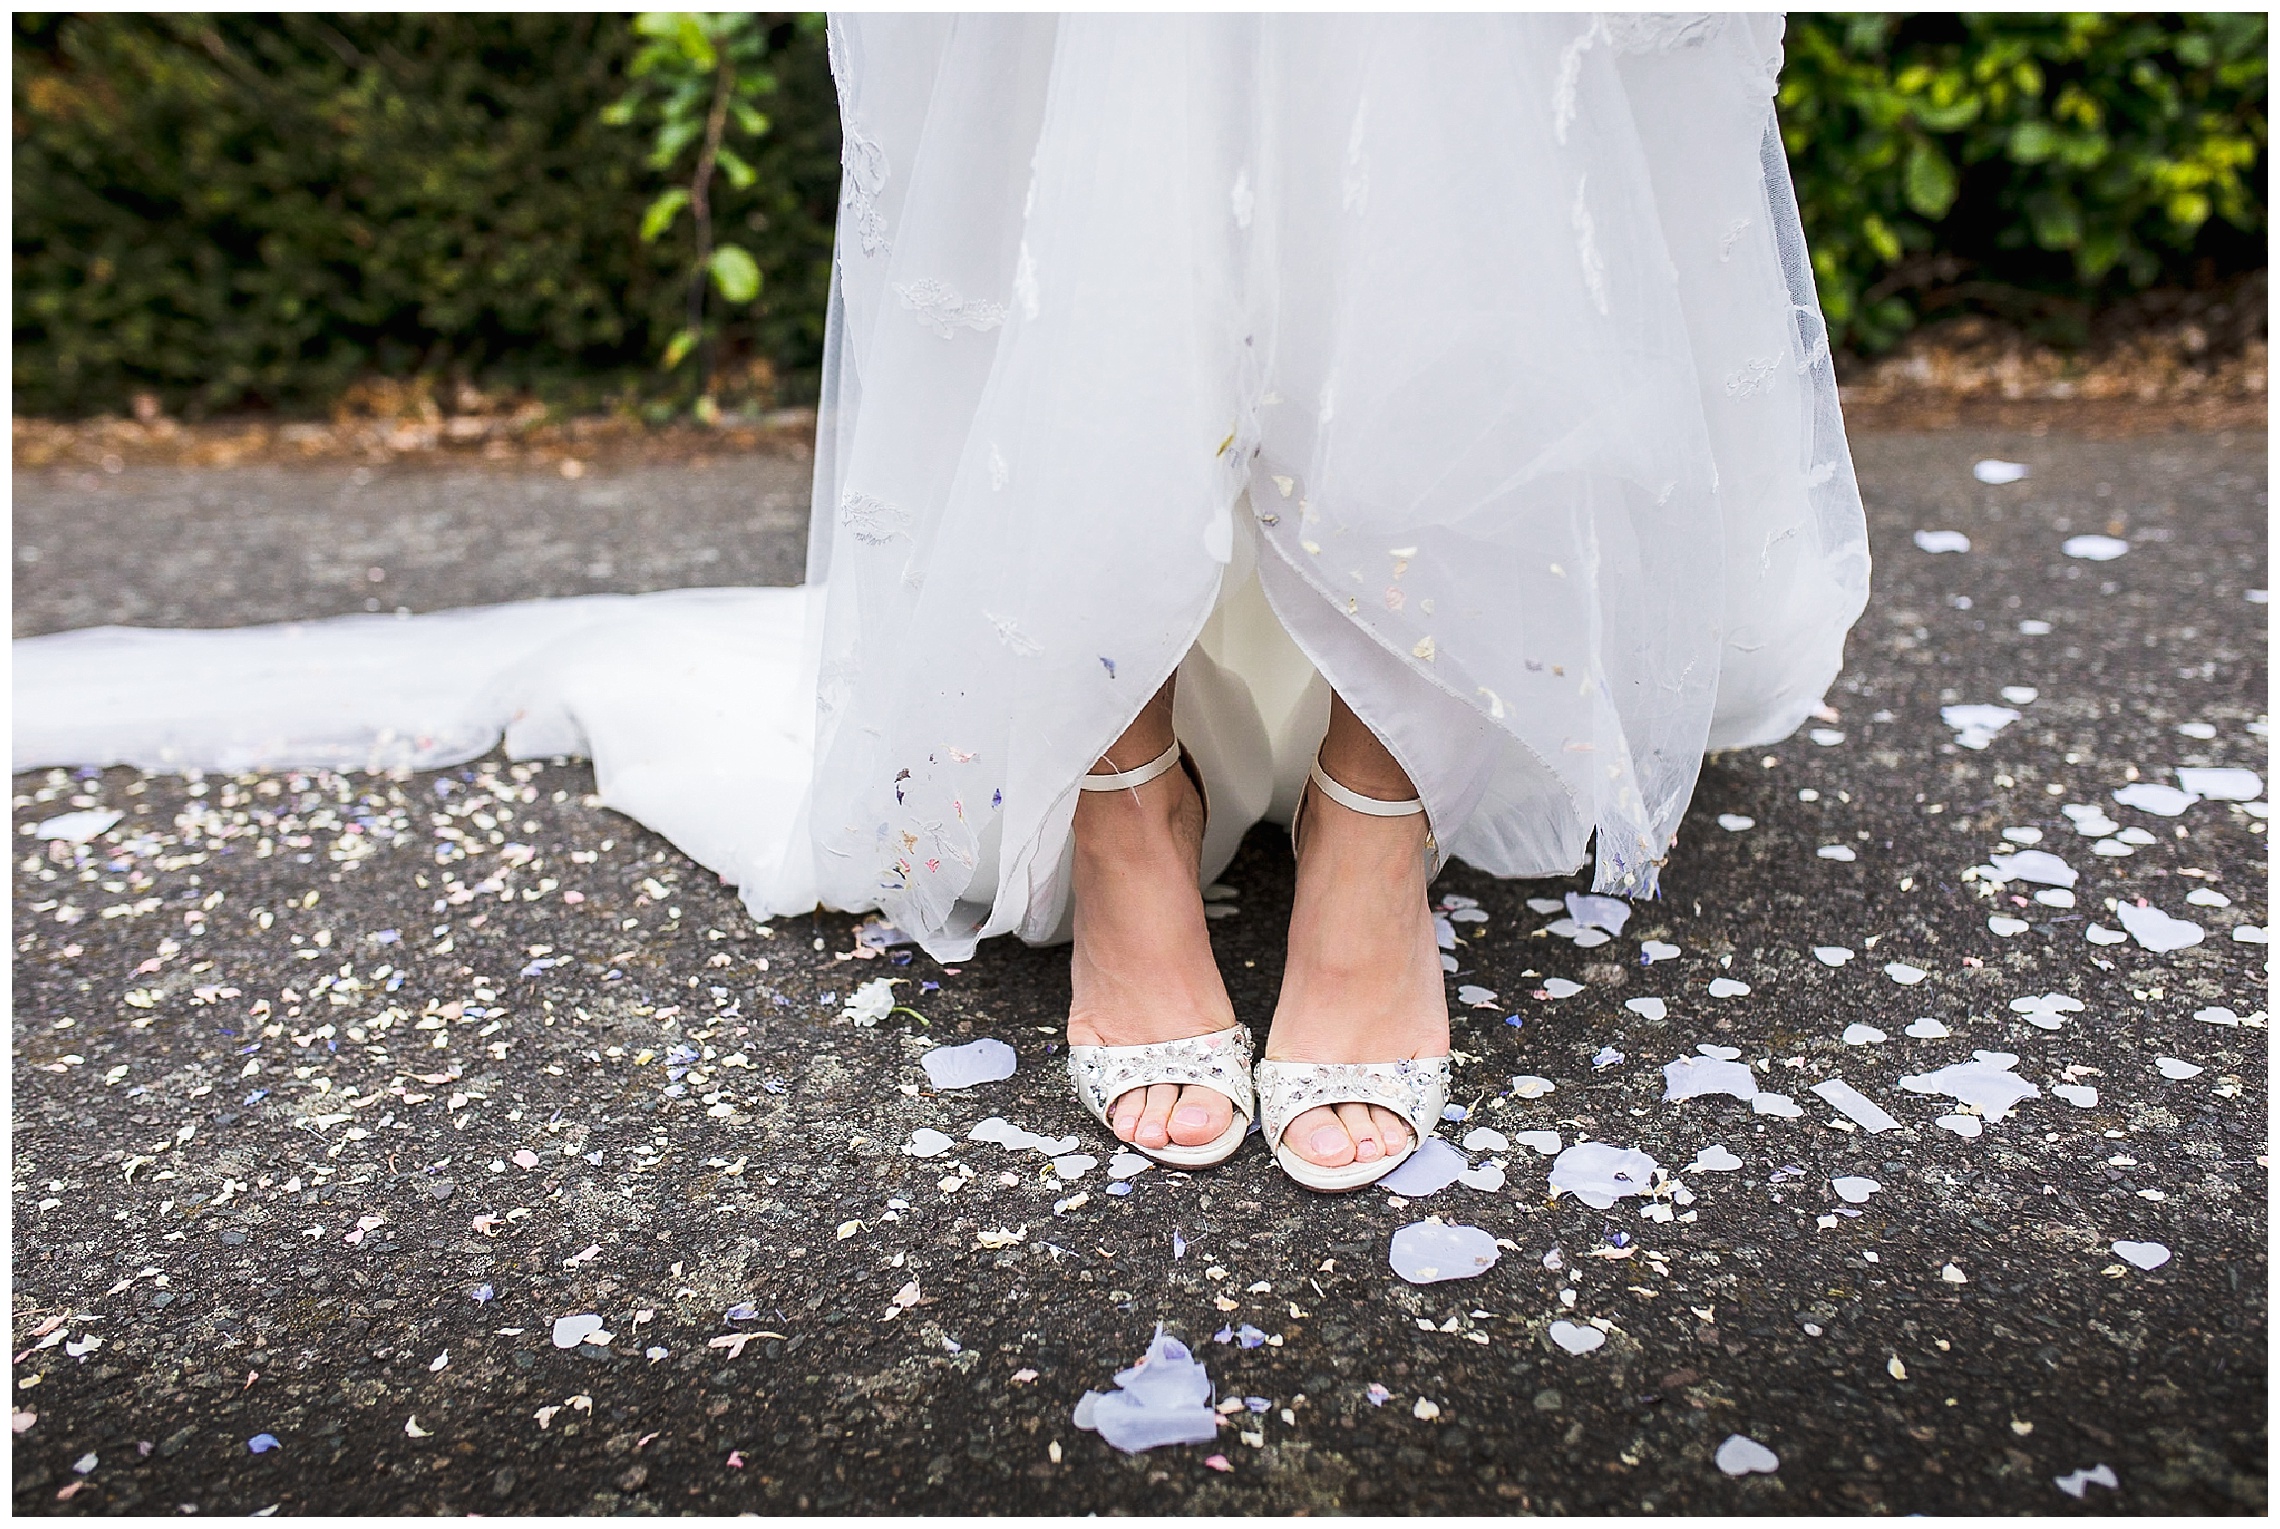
[1948, 118]
[2057, 221]
[2097, 254]
[2033, 141]
[1931, 180]
[678, 347]
[677, 134]
[689, 32]
[1880, 238]
[748, 118]
[732, 165]
[661, 214]
[735, 273]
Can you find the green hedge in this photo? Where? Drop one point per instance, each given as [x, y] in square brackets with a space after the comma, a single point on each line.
[2036, 165]
[256, 210]
[240, 210]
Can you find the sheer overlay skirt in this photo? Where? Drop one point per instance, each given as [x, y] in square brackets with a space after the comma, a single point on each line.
[1468, 364]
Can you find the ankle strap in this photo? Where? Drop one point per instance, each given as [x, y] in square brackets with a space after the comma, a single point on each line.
[1356, 802]
[1139, 776]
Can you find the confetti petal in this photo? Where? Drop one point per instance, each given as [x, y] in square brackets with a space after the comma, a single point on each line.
[984, 1061]
[1577, 1338]
[2142, 1255]
[1427, 1252]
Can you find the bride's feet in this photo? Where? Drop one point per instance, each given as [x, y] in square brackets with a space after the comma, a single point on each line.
[1362, 981]
[1142, 969]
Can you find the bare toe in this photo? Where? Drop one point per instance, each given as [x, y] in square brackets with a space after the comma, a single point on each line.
[1391, 1129]
[1320, 1138]
[1155, 1119]
[1124, 1115]
[1369, 1145]
[1202, 1116]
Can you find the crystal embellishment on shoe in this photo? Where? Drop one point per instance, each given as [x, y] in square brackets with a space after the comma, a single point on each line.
[1417, 1090]
[1220, 1061]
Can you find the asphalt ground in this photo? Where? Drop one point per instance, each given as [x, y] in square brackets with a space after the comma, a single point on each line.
[308, 1144]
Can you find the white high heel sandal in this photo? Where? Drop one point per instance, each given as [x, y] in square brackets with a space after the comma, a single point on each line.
[1417, 1090]
[1220, 1061]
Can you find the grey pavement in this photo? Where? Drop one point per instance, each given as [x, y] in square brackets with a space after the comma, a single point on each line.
[234, 546]
[331, 1099]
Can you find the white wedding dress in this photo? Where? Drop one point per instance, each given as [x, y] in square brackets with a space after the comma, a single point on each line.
[1468, 364]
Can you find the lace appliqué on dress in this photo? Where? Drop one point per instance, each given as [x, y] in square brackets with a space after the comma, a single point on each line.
[1632, 32]
[1357, 176]
[1754, 376]
[1416, 1090]
[1658, 31]
[866, 166]
[1587, 248]
[941, 309]
[872, 521]
[1220, 1061]
[1025, 281]
[1020, 643]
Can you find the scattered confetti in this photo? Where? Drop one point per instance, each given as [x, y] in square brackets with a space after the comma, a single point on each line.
[2142, 1255]
[569, 1332]
[1433, 1167]
[1986, 1083]
[984, 1061]
[1741, 1456]
[1599, 1175]
[927, 1143]
[1163, 1399]
[1855, 1106]
[2156, 930]
[1577, 1338]
[1691, 1077]
[2076, 1484]
[2043, 1011]
[1977, 724]
[1426, 1252]
[2221, 784]
[2094, 549]
[77, 827]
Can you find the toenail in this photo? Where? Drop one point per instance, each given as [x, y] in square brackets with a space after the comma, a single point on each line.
[1367, 1151]
[1191, 1115]
[1327, 1140]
